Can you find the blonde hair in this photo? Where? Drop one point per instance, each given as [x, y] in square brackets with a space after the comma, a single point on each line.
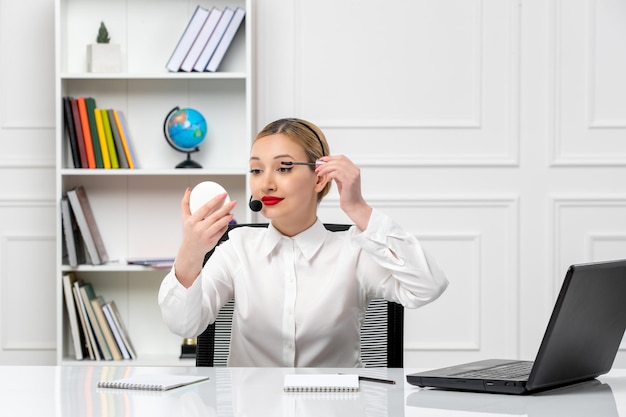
[307, 135]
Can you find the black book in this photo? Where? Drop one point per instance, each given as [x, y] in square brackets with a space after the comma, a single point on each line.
[71, 235]
[71, 131]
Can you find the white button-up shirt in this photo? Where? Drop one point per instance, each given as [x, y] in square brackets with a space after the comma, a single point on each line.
[300, 301]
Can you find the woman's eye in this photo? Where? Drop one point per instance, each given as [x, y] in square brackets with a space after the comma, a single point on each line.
[254, 171]
[285, 170]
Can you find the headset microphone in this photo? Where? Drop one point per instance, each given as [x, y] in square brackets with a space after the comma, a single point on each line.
[255, 205]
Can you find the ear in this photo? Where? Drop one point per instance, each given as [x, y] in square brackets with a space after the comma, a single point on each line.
[321, 182]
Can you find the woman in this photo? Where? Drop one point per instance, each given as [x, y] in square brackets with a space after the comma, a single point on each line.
[300, 291]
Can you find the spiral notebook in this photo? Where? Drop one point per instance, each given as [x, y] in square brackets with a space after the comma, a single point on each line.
[154, 382]
[321, 383]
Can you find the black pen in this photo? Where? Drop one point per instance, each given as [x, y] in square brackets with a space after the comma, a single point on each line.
[382, 381]
[370, 379]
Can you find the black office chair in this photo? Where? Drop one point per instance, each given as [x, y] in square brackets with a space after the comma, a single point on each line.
[382, 333]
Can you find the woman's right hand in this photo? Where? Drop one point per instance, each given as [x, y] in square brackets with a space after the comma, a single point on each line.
[202, 231]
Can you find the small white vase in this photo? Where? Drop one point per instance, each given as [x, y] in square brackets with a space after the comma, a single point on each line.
[104, 57]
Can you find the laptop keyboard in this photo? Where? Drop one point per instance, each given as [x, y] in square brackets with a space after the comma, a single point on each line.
[514, 370]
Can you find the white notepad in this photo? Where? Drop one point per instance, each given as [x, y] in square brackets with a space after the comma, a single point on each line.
[154, 382]
[321, 383]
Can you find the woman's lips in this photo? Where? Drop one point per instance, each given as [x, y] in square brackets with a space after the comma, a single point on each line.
[270, 201]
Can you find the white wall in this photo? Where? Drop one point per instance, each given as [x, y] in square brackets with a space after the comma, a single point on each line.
[492, 129]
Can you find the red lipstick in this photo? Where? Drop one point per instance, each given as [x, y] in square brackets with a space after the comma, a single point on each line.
[270, 200]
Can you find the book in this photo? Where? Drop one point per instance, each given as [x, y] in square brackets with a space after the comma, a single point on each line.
[321, 383]
[115, 329]
[71, 235]
[87, 294]
[201, 40]
[104, 148]
[106, 124]
[84, 123]
[72, 314]
[157, 262]
[87, 225]
[214, 40]
[123, 139]
[119, 147]
[78, 129]
[68, 233]
[190, 34]
[117, 317]
[152, 382]
[90, 338]
[126, 135]
[226, 40]
[96, 303]
[71, 132]
[90, 103]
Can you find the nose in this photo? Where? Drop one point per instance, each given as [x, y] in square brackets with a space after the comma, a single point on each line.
[267, 183]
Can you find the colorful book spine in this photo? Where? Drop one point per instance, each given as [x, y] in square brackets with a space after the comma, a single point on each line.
[124, 139]
[128, 138]
[109, 135]
[71, 132]
[90, 102]
[121, 157]
[84, 122]
[78, 129]
[106, 159]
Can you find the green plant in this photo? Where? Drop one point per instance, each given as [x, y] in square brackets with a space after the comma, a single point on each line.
[103, 34]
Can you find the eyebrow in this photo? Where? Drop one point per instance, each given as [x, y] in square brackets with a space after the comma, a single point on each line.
[256, 158]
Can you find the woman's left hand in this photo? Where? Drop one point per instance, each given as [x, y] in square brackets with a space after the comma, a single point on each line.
[347, 176]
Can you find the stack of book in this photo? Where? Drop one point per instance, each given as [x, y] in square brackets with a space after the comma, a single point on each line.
[99, 138]
[206, 39]
[98, 332]
[83, 242]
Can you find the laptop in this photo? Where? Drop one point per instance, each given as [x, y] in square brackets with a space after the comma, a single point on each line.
[580, 342]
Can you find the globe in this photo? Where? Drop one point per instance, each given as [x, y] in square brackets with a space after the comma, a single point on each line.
[184, 130]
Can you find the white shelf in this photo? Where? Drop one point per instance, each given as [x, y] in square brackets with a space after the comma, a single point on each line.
[148, 360]
[68, 172]
[113, 267]
[138, 210]
[157, 76]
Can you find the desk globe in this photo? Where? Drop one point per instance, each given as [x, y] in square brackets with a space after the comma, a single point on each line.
[184, 130]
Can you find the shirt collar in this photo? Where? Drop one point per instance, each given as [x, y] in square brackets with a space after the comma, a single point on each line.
[309, 241]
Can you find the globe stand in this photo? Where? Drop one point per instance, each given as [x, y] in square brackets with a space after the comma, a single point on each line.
[189, 163]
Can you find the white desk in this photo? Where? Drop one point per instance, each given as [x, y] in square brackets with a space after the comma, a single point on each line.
[70, 391]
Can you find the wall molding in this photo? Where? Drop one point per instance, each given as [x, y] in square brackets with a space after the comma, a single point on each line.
[18, 345]
[27, 163]
[558, 203]
[557, 156]
[510, 157]
[508, 202]
[473, 344]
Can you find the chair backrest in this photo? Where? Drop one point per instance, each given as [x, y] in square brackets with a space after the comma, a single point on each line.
[382, 333]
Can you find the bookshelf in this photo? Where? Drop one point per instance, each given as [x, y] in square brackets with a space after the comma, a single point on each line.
[138, 211]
